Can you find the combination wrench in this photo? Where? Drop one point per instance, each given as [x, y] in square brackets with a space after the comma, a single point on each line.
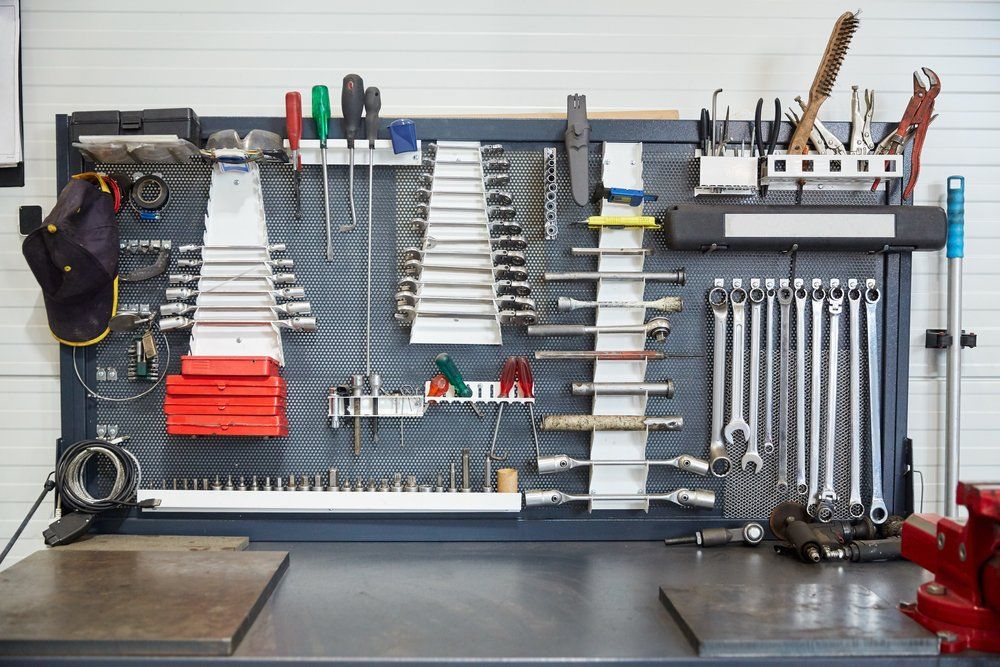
[828, 495]
[785, 302]
[877, 510]
[751, 457]
[769, 366]
[801, 295]
[718, 299]
[737, 419]
[855, 506]
[815, 394]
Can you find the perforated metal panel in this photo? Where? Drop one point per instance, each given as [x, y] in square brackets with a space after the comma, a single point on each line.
[317, 361]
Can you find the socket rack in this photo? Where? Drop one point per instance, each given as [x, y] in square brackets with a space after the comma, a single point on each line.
[424, 446]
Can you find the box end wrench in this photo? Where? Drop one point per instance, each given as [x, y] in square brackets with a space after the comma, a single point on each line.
[785, 302]
[877, 510]
[718, 300]
[855, 506]
[801, 296]
[737, 419]
[769, 366]
[752, 457]
[828, 494]
[818, 296]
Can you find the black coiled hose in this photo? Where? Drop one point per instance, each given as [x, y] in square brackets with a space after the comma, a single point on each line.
[71, 480]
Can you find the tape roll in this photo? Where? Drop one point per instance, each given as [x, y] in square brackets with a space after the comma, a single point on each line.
[149, 193]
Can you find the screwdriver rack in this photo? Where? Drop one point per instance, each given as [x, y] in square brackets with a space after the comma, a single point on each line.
[337, 296]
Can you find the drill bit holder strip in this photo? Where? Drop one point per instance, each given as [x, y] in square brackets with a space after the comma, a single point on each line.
[348, 502]
[337, 152]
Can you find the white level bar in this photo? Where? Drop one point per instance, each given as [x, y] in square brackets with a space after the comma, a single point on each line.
[338, 153]
[348, 502]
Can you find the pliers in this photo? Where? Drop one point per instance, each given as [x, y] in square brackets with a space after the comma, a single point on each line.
[916, 119]
[861, 122]
[827, 142]
[772, 140]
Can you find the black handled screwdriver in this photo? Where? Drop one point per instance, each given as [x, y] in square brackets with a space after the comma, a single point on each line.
[373, 103]
[352, 104]
[705, 132]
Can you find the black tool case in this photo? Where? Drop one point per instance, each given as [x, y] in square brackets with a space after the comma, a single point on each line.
[181, 122]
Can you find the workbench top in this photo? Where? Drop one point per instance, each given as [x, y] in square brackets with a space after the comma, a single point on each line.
[516, 602]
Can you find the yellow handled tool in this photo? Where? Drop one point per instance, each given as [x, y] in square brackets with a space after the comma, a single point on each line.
[644, 221]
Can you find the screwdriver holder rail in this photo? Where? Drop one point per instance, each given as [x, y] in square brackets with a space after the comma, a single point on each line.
[482, 392]
[338, 153]
[341, 406]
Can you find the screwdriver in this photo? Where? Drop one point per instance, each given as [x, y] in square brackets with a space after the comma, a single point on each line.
[293, 126]
[508, 376]
[352, 104]
[373, 102]
[321, 116]
[447, 366]
[526, 383]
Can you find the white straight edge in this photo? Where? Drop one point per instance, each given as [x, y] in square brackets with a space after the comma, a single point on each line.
[366, 502]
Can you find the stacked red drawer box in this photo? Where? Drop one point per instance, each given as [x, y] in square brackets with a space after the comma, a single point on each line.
[226, 396]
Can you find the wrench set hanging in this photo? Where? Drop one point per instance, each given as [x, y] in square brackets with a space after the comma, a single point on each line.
[827, 413]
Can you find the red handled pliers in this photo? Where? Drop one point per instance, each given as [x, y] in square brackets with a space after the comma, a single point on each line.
[916, 119]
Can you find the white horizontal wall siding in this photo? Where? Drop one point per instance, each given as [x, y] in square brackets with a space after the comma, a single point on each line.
[448, 57]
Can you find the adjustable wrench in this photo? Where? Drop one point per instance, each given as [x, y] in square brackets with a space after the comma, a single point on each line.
[718, 299]
[877, 511]
[751, 457]
[815, 392]
[801, 295]
[737, 420]
[769, 367]
[855, 506]
[785, 302]
[828, 495]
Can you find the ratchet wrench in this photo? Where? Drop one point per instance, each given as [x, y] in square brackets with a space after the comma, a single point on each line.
[828, 495]
[751, 457]
[785, 302]
[815, 393]
[769, 367]
[737, 420]
[877, 510]
[718, 299]
[855, 506]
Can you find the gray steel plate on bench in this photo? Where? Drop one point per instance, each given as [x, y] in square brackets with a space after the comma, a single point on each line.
[106, 603]
[794, 619]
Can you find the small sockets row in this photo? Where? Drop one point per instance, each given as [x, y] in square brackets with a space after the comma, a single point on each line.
[550, 192]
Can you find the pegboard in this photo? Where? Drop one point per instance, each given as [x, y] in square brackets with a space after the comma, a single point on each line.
[317, 361]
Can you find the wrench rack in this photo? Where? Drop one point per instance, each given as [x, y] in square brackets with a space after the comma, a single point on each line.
[317, 361]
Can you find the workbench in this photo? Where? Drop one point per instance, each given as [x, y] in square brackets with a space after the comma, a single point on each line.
[516, 603]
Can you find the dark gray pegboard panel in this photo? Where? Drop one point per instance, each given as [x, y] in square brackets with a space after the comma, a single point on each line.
[315, 362]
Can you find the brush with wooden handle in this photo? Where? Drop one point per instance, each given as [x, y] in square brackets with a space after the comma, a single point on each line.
[826, 76]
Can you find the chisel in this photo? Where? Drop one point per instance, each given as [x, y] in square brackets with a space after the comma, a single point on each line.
[352, 104]
[321, 116]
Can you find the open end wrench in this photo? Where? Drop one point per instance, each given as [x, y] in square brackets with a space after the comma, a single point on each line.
[828, 495]
[769, 367]
[785, 302]
[801, 295]
[855, 506]
[737, 419]
[877, 511]
[720, 464]
[751, 457]
[815, 393]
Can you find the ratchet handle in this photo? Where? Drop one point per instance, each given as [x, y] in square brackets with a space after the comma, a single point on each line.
[956, 217]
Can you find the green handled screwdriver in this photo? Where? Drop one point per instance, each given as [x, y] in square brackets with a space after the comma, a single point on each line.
[446, 365]
[352, 104]
[321, 116]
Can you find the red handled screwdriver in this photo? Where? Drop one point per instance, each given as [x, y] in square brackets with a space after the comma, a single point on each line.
[293, 126]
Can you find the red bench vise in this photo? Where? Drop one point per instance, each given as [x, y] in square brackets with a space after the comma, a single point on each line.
[962, 604]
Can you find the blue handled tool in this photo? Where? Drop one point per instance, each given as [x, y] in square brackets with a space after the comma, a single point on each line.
[953, 409]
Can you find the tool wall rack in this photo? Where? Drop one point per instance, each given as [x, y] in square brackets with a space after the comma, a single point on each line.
[317, 361]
